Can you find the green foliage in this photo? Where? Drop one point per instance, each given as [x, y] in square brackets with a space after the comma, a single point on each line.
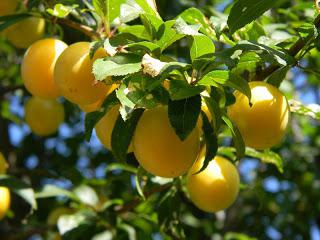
[203, 51]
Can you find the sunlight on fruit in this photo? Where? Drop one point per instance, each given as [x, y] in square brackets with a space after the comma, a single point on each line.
[264, 124]
[43, 116]
[73, 75]
[8, 7]
[4, 201]
[37, 67]
[157, 147]
[105, 127]
[3, 164]
[216, 187]
[22, 34]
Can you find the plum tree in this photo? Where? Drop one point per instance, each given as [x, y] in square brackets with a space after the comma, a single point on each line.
[74, 78]
[264, 123]
[216, 187]
[37, 67]
[43, 116]
[25, 32]
[157, 147]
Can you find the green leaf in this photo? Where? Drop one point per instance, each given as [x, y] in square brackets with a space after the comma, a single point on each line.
[122, 134]
[311, 110]
[237, 138]
[180, 89]
[101, 7]
[183, 28]
[105, 235]
[20, 188]
[138, 31]
[74, 226]
[94, 46]
[202, 46]
[246, 11]
[167, 35]
[130, 11]
[211, 140]
[142, 91]
[87, 195]
[151, 24]
[148, 6]
[266, 156]
[53, 191]
[195, 16]
[149, 47]
[215, 112]
[8, 20]
[93, 118]
[278, 76]
[105, 68]
[183, 115]
[123, 167]
[219, 24]
[138, 180]
[226, 78]
[62, 11]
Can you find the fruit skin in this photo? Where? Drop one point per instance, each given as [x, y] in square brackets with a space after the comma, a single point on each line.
[37, 67]
[216, 187]
[264, 124]
[8, 7]
[105, 126]
[3, 164]
[43, 115]
[157, 147]
[87, 108]
[73, 75]
[5, 199]
[23, 33]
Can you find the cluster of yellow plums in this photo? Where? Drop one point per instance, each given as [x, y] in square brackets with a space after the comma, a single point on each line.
[51, 69]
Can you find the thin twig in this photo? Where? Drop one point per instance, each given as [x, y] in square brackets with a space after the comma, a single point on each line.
[293, 51]
[78, 26]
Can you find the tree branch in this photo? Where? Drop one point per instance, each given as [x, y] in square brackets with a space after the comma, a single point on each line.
[78, 26]
[293, 51]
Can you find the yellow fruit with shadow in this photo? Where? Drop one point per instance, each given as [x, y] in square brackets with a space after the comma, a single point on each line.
[74, 78]
[157, 147]
[264, 124]
[215, 188]
[37, 67]
[43, 116]
[8, 7]
[5, 199]
[105, 127]
[87, 108]
[25, 32]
